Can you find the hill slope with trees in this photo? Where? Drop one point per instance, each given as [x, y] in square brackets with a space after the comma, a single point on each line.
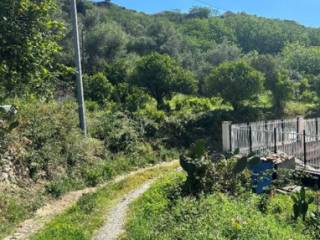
[153, 84]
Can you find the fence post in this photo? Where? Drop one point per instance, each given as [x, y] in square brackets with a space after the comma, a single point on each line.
[282, 131]
[275, 140]
[226, 136]
[317, 130]
[300, 127]
[304, 148]
[300, 124]
[250, 138]
[266, 136]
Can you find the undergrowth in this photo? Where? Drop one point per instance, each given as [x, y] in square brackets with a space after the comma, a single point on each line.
[46, 150]
[15, 205]
[163, 214]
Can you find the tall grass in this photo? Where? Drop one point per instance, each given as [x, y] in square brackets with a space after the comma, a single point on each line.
[162, 214]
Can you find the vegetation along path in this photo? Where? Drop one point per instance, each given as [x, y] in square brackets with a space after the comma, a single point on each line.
[117, 216]
[51, 210]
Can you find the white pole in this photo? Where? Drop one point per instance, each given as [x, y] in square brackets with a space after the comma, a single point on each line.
[80, 97]
[226, 136]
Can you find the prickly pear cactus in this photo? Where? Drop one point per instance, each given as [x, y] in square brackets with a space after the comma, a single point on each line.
[301, 204]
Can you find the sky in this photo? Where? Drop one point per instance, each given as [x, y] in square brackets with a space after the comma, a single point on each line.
[306, 12]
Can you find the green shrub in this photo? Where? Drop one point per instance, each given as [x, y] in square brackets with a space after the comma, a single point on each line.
[184, 104]
[92, 175]
[97, 87]
[108, 172]
[60, 186]
[264, 203]
[56, 188]
[47, 143]
[87, 202]
[313, 224]
[207, 173]
[200, 169]
[63, 232]
[92, 106]
[119, 132]
[51, 131]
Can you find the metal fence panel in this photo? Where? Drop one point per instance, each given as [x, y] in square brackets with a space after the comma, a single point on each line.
[282, 136]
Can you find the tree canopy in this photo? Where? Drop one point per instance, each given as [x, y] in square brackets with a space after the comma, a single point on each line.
[235, 82]
[29, 43]
[162, 54]
[161, 76]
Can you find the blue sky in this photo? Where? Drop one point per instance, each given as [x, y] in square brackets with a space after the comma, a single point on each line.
[306, 12]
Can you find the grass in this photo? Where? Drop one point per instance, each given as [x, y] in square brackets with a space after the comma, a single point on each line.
[162, 214]
[15, 205]
[20, 203]
[88, 214]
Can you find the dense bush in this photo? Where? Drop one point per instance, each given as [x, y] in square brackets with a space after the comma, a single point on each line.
[206, 173]
[118, 131]
[62, 185]
[52, 141]
[97, 88]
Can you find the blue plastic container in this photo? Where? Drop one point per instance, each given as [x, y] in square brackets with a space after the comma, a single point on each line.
[262, 176]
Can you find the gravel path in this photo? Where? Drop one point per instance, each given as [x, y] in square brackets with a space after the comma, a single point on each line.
[116, 217]
[45, 214]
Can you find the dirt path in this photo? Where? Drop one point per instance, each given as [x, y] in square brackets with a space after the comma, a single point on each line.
[115, 219]
[45, 214]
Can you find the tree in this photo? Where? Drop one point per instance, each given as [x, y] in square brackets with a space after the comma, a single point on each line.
[161, 76]
[105, 42]
[277, 81]
[223, 52]
[98, 88]
[29, 43]
[120, 70]
[302, 59]
[282, 92]
[264, 35]
[235, 82]
[200, 12]
[165, 37]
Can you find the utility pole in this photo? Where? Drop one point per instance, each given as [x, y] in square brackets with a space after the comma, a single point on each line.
[76, 42]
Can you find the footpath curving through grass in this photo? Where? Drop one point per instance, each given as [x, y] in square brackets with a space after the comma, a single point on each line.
[162, 214]
[88, 214]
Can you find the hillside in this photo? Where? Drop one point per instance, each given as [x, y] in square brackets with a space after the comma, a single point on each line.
[200, 41]
[154, 85]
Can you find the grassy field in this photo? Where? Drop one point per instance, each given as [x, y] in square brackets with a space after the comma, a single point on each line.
[81, 221]
[163, 215]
